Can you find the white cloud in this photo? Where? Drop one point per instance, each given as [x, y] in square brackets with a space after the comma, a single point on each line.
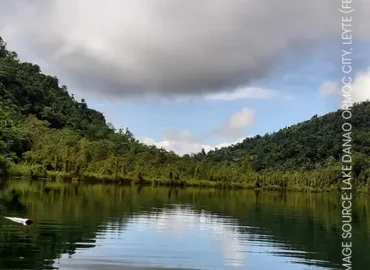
[167, 47]
[328, 88]
[184, 142]
[180, 141]
[235, 126]
[161, 144]
[360, 88]
[238, 93]
[226, 144]
[241, 119]
[243, 93]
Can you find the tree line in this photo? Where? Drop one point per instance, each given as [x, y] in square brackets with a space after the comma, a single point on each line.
[45, 132]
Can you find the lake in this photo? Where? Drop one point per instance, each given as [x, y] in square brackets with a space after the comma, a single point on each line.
[110, 227]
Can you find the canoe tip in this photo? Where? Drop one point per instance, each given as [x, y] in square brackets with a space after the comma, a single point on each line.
[24, 221]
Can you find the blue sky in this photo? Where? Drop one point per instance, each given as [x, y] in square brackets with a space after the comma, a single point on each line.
[297, 98]
[187, 74]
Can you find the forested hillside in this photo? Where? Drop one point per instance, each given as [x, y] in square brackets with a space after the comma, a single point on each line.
[45, 132]
[305, 145]
[35, 110]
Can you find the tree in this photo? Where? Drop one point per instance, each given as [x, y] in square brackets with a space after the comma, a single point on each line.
[3, 51]
[11, 136]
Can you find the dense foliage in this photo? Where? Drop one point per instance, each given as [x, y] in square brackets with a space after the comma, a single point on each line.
[45, 132]
[305, 145]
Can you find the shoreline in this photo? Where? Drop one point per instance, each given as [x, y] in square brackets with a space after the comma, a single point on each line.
[156, 182]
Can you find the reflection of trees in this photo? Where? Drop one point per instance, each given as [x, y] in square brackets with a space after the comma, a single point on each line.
[68, 216]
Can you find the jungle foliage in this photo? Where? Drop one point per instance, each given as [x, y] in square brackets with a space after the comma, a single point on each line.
[45, 132]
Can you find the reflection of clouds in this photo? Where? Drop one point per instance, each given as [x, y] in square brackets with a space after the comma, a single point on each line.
[183, 221]
[232, 249]
[182, 238]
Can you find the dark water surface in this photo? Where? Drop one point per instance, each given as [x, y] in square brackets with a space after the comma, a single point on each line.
[107, 227]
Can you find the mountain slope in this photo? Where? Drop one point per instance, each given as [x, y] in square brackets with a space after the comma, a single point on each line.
[24, 90]
[45, 132]
[304, 145]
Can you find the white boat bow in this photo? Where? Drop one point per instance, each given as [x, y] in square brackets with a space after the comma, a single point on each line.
[24, 221]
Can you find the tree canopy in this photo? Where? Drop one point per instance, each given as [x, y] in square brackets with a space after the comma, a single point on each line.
[45, 131]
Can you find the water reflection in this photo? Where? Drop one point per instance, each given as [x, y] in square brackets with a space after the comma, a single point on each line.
[182, 237]
[201, 232]
[114, 227]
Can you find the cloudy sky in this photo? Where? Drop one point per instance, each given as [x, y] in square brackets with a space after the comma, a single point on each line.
[190, 74]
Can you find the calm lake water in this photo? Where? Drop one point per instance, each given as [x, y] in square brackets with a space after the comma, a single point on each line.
[108, 227]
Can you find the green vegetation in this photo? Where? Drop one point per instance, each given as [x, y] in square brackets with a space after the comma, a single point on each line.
[306, 145]
[45, 132]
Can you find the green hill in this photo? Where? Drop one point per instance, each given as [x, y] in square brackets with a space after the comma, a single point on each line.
[305, 145]
[45, 132]
[38, 118]
[24, 90]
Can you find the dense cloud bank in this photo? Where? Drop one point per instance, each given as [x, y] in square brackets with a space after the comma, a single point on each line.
[141, 47]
